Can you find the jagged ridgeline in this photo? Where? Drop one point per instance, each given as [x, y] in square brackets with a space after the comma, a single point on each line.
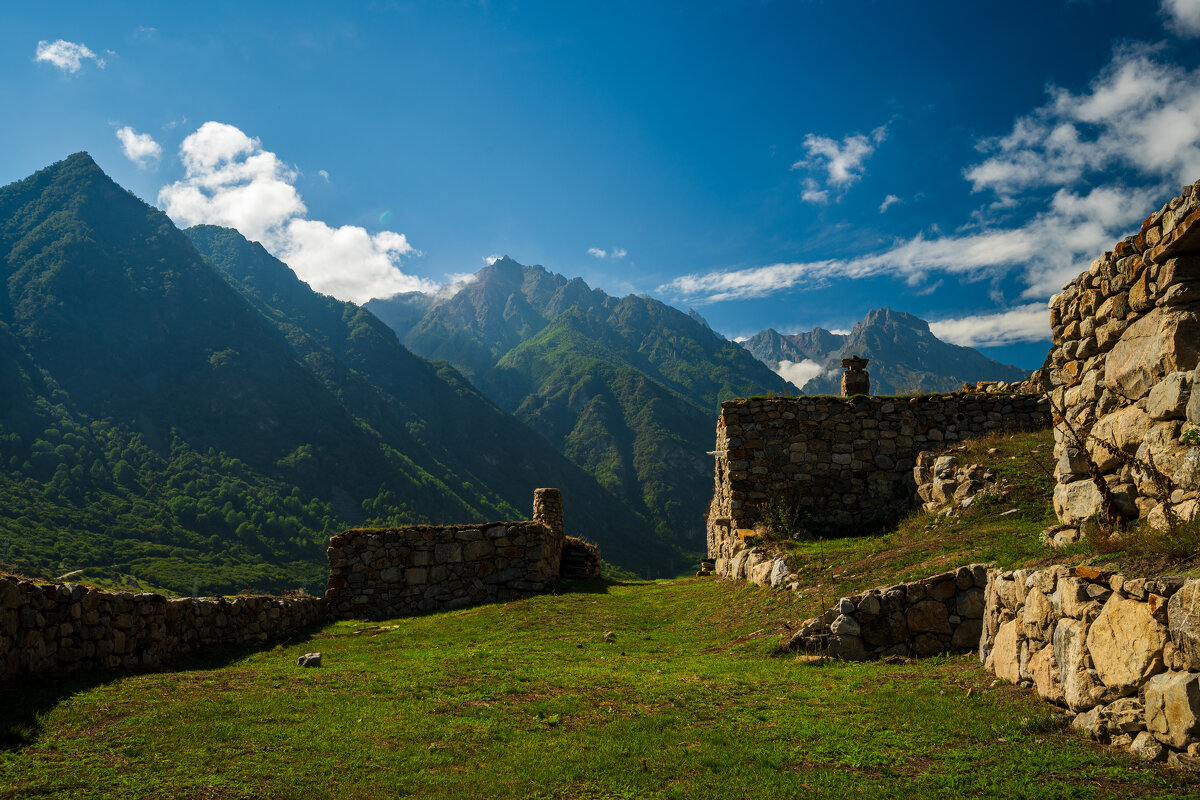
[206, 428]
[628, 388]
[905, 356]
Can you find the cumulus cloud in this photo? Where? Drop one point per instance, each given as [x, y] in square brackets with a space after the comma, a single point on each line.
[597, 252]
[140, 148]
[1026, 323]
[1076, 173]
[799, 372]
[1183, 16]
[888, 202]
[231, 180]
[66, 56]
[841, 162]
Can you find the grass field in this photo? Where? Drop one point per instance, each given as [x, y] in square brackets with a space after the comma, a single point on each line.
[527, 699]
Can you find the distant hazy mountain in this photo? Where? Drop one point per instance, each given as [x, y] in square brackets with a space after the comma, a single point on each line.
[628, 388]
[905, 356]
[205, 422]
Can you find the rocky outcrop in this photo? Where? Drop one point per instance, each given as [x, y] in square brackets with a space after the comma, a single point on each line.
[939, 614]
[48, 627]
[1117, 652]
[942, 483]
[1126, 344]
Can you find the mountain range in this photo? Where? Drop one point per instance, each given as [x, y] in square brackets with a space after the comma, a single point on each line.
[180, 410]
[905, 356]
[627, 387]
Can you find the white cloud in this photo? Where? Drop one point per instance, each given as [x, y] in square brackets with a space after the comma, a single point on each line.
[66, 56]
[1077, 173]
[324, 175]
[619, 252]
[839, 331]
[842, 162]
[140, 148]
[1027, 323]
[231, 180]
[1183, 16]
[799, 372]
[492, 259]
[888, 202]
[597, 252]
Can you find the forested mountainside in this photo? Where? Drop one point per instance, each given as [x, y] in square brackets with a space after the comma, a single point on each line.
[626, 387]
[206, 429]
[905, 356]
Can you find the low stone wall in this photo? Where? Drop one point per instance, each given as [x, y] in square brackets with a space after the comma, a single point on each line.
[844, 463]
[942, 483]
[383, 573]
[46, 627]
[939, 614]
[1122, 653]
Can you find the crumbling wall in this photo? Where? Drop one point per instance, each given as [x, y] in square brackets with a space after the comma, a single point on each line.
[392, 572]
[46, 627]
[1122, 654]
[1126, 342]
[939, 614]
[843, 464]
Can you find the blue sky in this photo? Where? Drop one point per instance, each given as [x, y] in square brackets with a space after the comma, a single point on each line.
[782, 164]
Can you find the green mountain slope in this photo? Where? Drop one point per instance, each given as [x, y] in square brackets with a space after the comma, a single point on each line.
[627, 388]
[164, 425]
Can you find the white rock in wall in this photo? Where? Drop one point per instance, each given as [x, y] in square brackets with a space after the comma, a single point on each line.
[1173, 707]
[1169, 397]
[1126, 644]
[1077, 501]
[1080, 691]
[1154, 346]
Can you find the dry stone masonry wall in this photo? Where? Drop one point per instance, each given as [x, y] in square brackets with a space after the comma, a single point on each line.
[383, 573]
[939, 614]
[846, 463]
[47, 627]
[1123, 654]
[1126, 343]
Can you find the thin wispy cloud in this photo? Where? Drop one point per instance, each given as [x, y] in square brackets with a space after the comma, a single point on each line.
[888, 202]
[1026, 323]
[616, 252]
[67, 57]
[231, 180]
[1080, 171]
[140, 148]
[835, 166]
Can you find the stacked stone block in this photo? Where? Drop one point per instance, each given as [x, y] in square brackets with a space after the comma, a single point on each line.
[1126, 342]
[47, 627]
[846, 463]
[1122, 654]
[393, 572]
[939, 614]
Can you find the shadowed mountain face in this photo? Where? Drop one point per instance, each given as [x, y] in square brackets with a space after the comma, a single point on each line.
[628, 388]
[167, 409]
[905, 356]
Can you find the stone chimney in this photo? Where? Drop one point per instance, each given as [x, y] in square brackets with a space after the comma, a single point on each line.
[855, 380]
[548, 509]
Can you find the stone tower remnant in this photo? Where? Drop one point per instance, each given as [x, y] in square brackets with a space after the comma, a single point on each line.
[855, 380]
[548, 509]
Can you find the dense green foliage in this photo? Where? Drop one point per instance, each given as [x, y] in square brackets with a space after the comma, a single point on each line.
[169, 424]
[628, 388]
[528, 700]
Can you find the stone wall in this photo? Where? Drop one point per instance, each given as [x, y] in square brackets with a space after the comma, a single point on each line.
[1126, 342]
[1123, 654]
[939, 614]
[845, 463]
[45, 627]
[392, 572]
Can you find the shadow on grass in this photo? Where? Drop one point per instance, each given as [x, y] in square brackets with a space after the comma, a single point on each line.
[586, 586]
[26, 699]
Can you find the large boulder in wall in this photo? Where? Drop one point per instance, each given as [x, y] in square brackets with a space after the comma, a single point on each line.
[1162, 342]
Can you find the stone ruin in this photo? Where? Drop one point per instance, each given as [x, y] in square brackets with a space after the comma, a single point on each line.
[379, 573]
[856, 379]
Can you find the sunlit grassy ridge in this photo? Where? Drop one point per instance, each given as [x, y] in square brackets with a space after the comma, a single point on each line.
[529, 700]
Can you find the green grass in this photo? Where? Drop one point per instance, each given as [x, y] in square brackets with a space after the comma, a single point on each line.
[528, 700]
